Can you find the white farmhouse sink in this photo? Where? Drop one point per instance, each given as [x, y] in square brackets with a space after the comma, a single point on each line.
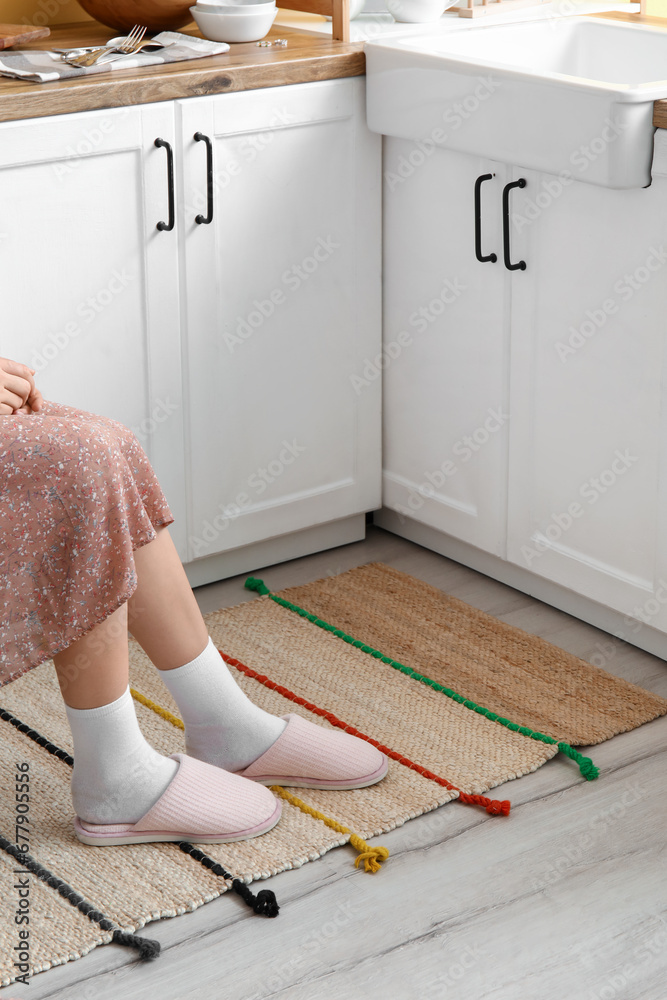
[568, 94]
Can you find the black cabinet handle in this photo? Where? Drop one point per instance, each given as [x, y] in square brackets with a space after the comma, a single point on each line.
[167, 226]
[205, 219]
[521, 265]
[478, 221]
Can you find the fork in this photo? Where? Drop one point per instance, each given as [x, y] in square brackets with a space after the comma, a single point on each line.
[126, 47]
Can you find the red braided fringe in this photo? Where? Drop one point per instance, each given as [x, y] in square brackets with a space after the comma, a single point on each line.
[493, 806]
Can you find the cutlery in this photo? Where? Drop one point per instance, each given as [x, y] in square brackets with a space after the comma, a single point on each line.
[67, 54]
[148, 43]
[123, 47]
[81, 50]
[72, 55]
[127, 46]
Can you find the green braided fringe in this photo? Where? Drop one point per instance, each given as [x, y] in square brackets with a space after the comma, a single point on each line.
[586, 766]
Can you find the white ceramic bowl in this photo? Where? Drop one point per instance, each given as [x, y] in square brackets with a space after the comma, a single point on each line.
[224, 6]
[236, 10]
[417, 11]
[242, 26]
[213, 4]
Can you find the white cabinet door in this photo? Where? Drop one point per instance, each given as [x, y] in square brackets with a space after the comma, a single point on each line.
[282, 310]
[90, 285]
[587, 502]
[446, 343]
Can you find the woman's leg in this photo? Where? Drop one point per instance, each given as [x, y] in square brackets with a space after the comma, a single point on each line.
[164, 615]
[117, 774]
[222, 726]
[84, 682]
[103, 481]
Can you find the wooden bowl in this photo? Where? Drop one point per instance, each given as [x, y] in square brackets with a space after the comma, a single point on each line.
[157, 15]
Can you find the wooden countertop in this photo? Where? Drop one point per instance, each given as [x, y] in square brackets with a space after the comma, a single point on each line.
[246, 66]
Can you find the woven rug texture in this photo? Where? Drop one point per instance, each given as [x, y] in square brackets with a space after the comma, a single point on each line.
[501, 667]
[515, 674]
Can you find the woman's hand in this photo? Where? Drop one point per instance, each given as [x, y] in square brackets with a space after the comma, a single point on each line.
[17, 389]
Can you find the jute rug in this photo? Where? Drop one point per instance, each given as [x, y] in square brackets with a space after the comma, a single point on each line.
[459, 701]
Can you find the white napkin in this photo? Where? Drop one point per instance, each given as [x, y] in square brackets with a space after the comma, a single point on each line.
[44, 66]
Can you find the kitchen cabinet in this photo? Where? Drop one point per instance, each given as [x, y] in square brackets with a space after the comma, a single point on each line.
[587, 459]
[228, 345]
[281, 303]
[446, 344]
[90, 285]
[567, 352]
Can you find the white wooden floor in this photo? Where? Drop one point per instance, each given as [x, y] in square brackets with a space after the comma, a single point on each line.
[565, 898]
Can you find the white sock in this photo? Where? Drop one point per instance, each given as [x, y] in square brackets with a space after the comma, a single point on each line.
[222, 726]
[117, 775]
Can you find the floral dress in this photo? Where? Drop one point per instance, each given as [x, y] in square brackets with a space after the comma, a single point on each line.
[77, 496]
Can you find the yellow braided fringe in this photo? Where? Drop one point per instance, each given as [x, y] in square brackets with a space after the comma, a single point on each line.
[164, 712]
[372, 857]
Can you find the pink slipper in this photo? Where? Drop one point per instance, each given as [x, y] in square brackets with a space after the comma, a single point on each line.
[202, 804]
[306, 755]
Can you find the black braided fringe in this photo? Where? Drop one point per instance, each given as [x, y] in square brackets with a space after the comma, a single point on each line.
[264, 903]
[36, 737]
[146, 947]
